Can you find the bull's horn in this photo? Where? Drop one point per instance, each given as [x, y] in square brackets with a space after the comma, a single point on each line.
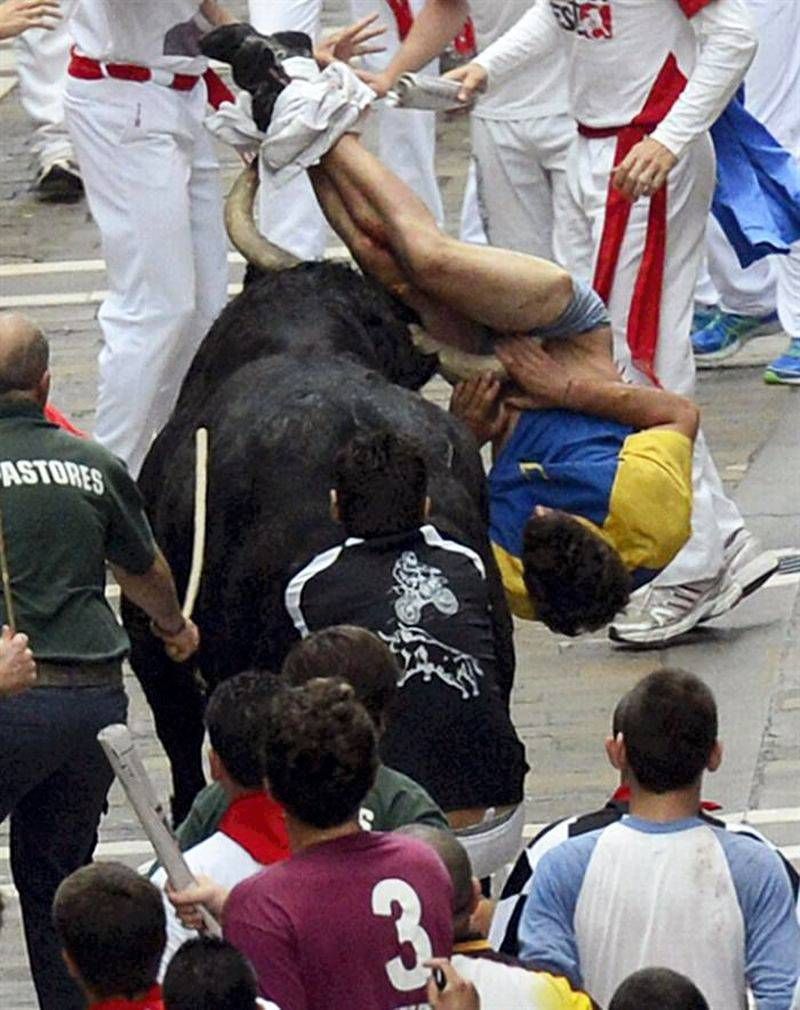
[241, 226]
[456, 365]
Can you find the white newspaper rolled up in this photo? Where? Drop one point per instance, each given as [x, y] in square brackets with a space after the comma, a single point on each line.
[123, 757]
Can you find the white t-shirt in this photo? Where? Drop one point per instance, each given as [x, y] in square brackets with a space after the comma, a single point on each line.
[618, 48]
[506, 987]
[218, 857]
[539, 88]
[148, 33]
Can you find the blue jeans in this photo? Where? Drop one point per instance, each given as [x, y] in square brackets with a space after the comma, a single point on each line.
[54, 779]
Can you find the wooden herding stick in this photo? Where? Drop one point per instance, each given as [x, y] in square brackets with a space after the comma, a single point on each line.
[6, 578]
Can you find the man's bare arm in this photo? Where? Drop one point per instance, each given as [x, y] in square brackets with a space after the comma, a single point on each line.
[216, 14]
[435, 26]
[154, 592]
[550, 385]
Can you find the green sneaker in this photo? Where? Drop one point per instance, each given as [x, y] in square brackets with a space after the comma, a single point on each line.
[785, 370]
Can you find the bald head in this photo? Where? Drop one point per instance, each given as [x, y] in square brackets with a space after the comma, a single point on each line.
[24, 356]
[456, 861]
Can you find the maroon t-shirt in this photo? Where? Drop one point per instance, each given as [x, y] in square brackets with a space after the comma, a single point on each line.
[347, 923]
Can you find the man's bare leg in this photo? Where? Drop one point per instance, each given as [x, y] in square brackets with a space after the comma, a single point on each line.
[504, 290]
[361, 230]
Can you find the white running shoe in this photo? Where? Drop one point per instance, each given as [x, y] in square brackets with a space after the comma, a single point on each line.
[657, 614]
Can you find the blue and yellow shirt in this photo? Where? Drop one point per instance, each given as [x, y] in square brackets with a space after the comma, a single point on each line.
[633, 487]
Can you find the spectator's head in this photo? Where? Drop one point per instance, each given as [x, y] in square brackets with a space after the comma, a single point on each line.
[111, 925]
[24, 359]
[322, 755]
[354, 655]
[576, 581]
[209, 974]
[658, 989]
[666, 733]
[380, 486]
[466, 888]
[238, 720]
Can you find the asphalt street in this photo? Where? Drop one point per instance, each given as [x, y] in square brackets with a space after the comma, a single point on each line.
[51, 267]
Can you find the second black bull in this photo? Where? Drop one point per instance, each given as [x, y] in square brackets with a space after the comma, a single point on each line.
[292, 369]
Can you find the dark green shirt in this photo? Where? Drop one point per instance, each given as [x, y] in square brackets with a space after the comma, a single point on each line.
[68, 505]
[393, 801]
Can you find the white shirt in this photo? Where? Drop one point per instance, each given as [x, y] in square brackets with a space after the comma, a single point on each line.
[143, 32]
[218, 857]
[617, 48]
[539, 87]
[506, 987]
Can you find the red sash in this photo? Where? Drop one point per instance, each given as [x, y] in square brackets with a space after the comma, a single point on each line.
[645, 310]
[151, 1001]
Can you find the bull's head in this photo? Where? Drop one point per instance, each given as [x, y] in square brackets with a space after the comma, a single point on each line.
[454, 364]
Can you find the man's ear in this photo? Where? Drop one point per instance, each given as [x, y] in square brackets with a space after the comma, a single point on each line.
[43, 388]
[426, 509]
[218, 772]
[715, 757]
[72, 969]
[615, 752]
[334, 506]
[477, 896]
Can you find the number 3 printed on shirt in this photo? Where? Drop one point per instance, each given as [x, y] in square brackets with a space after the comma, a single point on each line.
[409, 930]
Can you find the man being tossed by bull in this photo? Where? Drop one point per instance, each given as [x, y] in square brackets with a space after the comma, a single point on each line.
[591, 488]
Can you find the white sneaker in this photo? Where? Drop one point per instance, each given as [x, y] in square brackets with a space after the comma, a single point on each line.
[746, 563]
[662, 613]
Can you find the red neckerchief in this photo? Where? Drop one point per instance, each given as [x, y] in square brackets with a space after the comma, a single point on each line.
[623, 795]
[54, 416]
[258, 824]
[152, 1001]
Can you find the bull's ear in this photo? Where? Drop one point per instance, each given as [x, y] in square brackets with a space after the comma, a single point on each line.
[336, 514]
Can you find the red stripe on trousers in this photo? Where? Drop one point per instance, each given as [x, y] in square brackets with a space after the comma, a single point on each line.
[645, 311]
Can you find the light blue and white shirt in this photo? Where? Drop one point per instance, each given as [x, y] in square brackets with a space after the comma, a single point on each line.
[713, 905]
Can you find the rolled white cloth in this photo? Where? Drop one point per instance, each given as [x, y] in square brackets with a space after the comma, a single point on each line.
[232, 123]
[310, 116]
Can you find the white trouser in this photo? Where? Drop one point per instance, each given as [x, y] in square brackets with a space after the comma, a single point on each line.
[471, 227]
[523, 189]
[42, 58]
[773, 96]
[723, 282]
[406, 140]
[714, 517]
[289, 214]
[153, 186]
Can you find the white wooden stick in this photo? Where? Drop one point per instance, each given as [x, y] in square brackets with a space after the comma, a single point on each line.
[199, 542]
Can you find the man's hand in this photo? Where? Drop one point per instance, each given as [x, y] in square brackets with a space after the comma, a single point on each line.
[206, 892]
[543, 380]
[644, 169]
[17, 16]
[17, 667]
[457, 993]
[180, 644]
[473, 79]
[348, 43]
[476, 403]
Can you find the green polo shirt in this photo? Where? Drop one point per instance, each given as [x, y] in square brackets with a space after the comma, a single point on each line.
[68, 505]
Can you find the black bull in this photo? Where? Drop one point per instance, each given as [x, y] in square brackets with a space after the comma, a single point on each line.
[293, 367]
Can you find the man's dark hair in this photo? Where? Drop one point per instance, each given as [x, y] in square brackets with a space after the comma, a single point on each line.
[577, 581]
[24, 362]
[354, 655]
[110, 920]
[321, 758]
[381, 481]
[658, 989]
[208, 973]
[238, 718]
[669, 723]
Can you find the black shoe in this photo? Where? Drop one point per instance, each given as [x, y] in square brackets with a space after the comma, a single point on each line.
[60, 182]
[255, 63]
[223, 43]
